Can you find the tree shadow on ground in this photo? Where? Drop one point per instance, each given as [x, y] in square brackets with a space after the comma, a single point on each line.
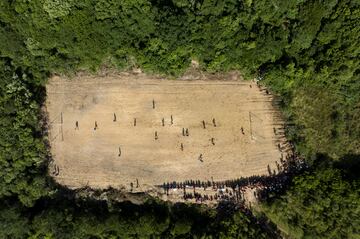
[350, 165]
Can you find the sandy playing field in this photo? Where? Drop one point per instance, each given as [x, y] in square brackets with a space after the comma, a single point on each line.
[151, 153]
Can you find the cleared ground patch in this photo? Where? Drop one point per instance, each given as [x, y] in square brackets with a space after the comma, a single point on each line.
[236, 140]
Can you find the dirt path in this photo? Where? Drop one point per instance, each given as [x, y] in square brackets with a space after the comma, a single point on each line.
[155, 150]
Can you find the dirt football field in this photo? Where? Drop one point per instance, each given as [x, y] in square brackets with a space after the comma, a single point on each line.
[119, 129]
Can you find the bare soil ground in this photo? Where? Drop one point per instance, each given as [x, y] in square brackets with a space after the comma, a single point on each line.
[86, 157]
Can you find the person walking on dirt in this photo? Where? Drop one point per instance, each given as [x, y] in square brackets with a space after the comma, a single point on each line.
[214, 123]
[95, 126]
[114, 120]
[187, 132]
[134, 121]
[203, 123]
[56, 170]
[153, 103]
[200, 158]
[213, 141]
[171, 120]
[242, 130]
[76, 125]
[182, 147]
[163, 122]
[183, 131]
[119, 152]
[156, 135]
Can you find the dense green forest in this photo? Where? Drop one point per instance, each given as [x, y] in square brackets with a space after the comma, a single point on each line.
[305, 51]
[70, 218]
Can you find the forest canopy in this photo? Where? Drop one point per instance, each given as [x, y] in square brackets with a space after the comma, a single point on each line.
[305, 51]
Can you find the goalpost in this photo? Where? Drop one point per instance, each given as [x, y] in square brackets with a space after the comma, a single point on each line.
[252, 117]
[61, 133]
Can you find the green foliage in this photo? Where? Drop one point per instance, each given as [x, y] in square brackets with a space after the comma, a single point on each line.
[107, 9]
[181, 227]
[12, 223]
[320, 204]
[239, 226]
[58, 8]
[22, 150]
[88, 220]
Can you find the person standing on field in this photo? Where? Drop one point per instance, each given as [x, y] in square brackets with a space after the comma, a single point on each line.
[200, 158]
